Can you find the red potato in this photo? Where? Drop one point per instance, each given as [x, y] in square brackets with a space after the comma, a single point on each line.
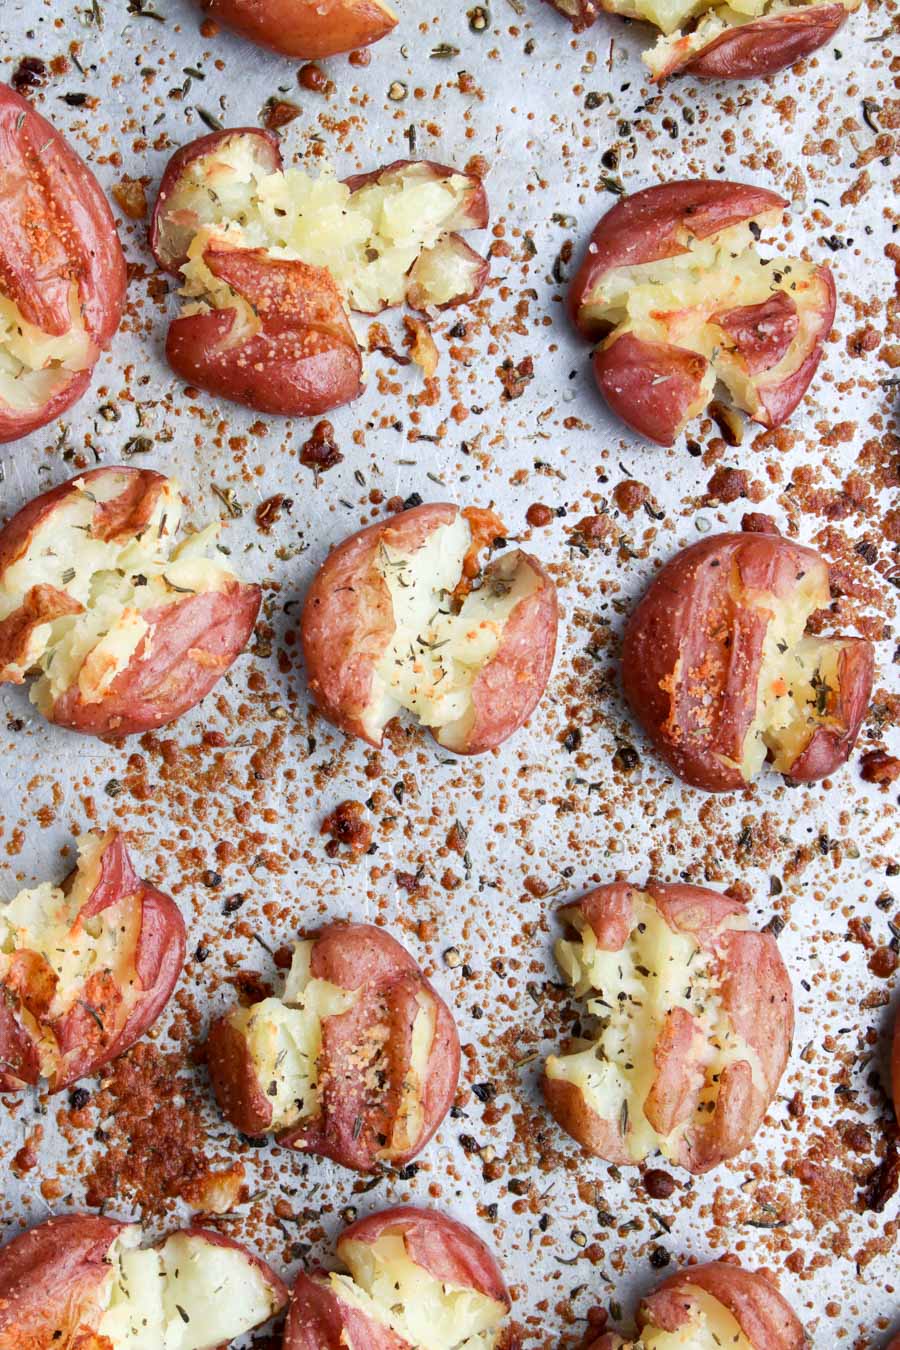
[722, 675]
[726, 45]
[85, 968]
[62, 271]
[83, 1282]
[417, 1279]
[304, 31]
[273, 261]
[392, 621]
[357, 1061]
[694, 1023]
[124, 631]
[716, 1304]
[711, 40]
[676, 295]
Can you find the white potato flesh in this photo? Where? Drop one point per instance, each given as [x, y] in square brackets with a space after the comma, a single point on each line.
[34, 364]
[710, 1326]
[188, 1294]
[629, 992]
[114, 581]
[45, 920]
[442, 274]
[798, 678]
[368, 240]
[425, 1313]
[712, 25]
[435, 655]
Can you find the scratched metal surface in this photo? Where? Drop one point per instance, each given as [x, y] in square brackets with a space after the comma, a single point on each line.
[536, 810]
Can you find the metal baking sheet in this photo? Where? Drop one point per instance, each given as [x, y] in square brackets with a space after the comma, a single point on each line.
[229, 801]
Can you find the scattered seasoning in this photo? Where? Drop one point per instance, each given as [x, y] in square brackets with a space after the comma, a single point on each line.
[30, 73]
[269, 511]
[131, 197]
[877, 766]
[313, 78]
[136, 445]
[882, 1182]
[208, 119]
[397, 91]
[229, 500]
[277, 113]
[516, 378]
[320, 453]
[443, 51]
[346, 826]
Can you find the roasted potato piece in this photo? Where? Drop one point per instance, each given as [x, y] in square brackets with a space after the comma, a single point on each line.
[673, 289]
[272, 262]
[418, 1281]
[62, 271]
[705, 1307]
[124, 631]
[83, 1282]
[358, 1060]
[85, 968]
[722, 675]
[393, 621]
[694, 1017]
[748, 40]
[710, 40]
[307, 32]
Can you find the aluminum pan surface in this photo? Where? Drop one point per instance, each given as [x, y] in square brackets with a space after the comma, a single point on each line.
[536, 811]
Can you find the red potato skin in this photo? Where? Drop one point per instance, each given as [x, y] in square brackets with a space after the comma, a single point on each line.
[50, 1278]
[351, 1127]
[506, 692]
[303, 361]
[83, 1046]
[747, 963]
[653, 224]
[266, 152]
[895, 1071]
[347, 622]
[55, 228]
[319, 1320]
[761, 47]
[629, 374]
[765, 1318]
[191, 641]
[303, 31]
[692, 619]
[52, 1275]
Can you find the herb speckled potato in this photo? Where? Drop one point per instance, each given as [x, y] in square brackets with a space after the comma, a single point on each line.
[83, 1282]
[722, 674]
[124, 629]
[692, 1018]
[401, 616]
[717, 1306]
[272, 262]
[677, 297]
[418, 1280]
[744, 40]
[62, 271]
[358, 1060]
[85, 967]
